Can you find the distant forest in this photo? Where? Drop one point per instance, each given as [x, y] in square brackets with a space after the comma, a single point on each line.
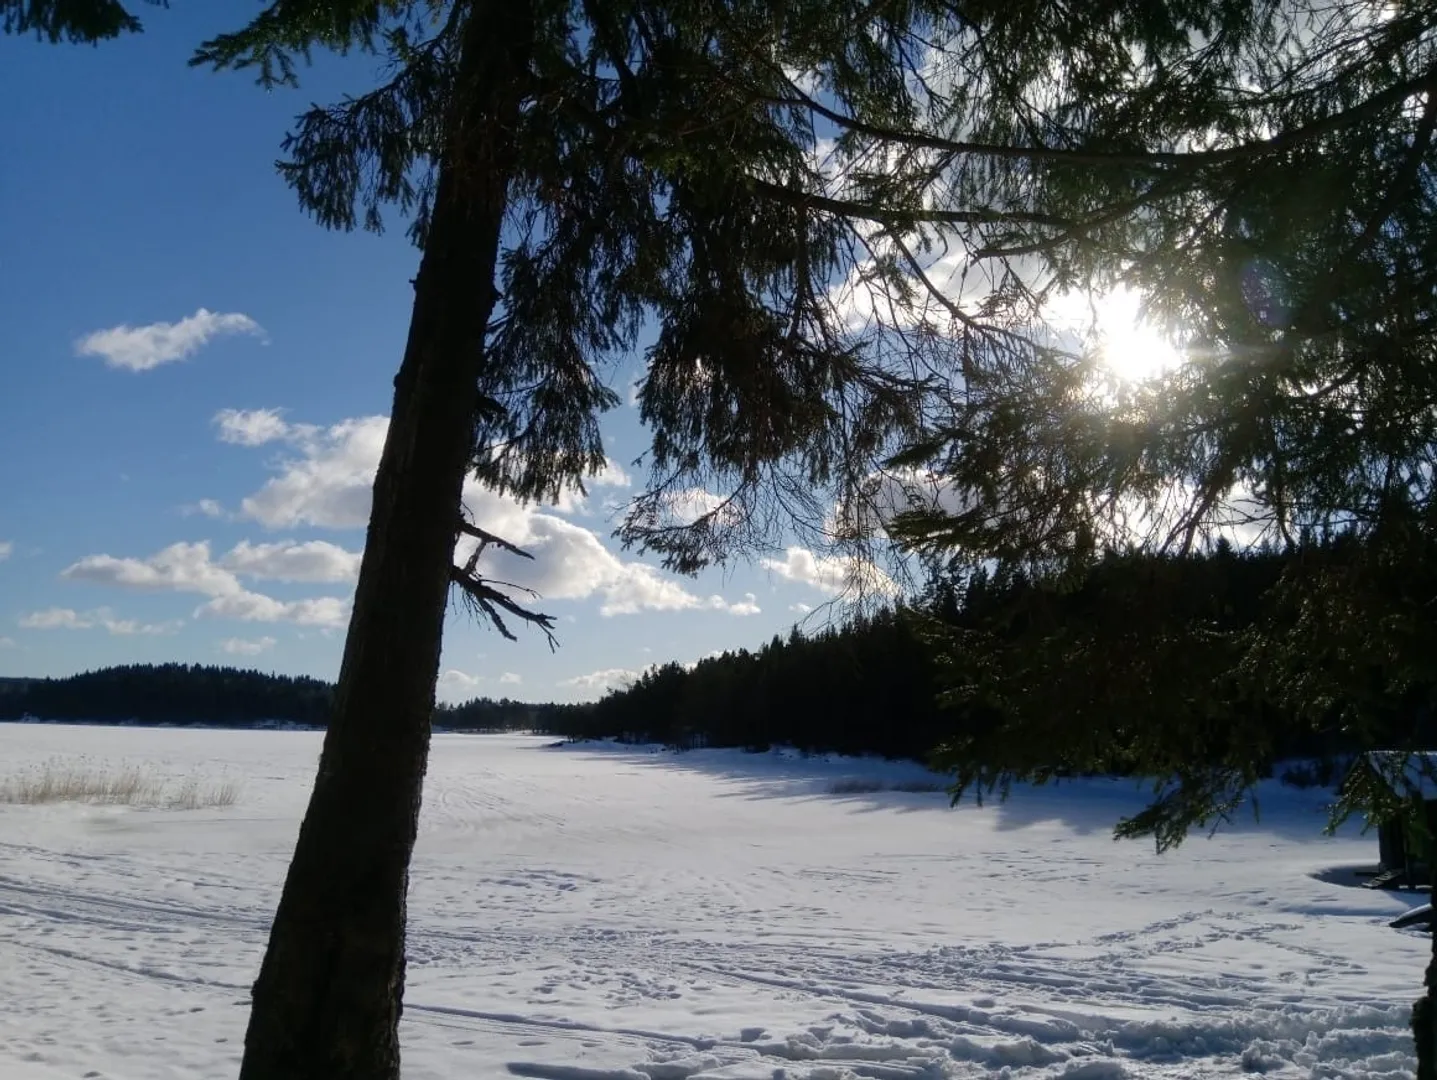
[195, 694]
[1149, 638]
[867, 687]
[897, 682]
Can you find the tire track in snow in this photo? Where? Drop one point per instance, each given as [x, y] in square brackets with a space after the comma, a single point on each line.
[1106, 1020]
[888, 1034]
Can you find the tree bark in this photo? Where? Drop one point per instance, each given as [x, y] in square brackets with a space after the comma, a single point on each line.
[1423, 1027]
[328, 998]
[1424, 1012]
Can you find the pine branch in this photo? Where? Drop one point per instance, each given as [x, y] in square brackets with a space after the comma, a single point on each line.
[1153, 160]
[287, 30]
[1406, 176]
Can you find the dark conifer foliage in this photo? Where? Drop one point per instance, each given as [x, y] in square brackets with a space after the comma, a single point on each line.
[1153, 665]
[1129, 670]
[865, 688]
[70, 20]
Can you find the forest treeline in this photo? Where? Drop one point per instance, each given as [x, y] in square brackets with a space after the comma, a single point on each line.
[868, 686]
[1156, 648]
[185, 694]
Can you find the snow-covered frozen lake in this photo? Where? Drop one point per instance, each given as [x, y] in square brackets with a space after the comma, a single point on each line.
[603, 913]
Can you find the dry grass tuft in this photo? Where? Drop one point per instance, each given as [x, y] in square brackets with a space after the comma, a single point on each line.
[130, 785]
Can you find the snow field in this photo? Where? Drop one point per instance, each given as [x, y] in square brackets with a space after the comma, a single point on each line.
[599, 912]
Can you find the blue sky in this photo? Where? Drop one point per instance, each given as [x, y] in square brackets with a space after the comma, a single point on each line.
[195, 378]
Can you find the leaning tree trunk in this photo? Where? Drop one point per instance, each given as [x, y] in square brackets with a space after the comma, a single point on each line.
[1424, 1012]
[1424, 1019]
[1423, 837]
[328, 998]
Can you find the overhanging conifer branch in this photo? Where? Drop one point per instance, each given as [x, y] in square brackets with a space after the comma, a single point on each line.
[894, 215]
[1150, 160]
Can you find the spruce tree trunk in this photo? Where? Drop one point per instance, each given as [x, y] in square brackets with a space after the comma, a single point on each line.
[327, 1001]
[1424, 1012]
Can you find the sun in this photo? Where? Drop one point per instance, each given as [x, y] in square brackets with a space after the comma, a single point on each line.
[1130, 348]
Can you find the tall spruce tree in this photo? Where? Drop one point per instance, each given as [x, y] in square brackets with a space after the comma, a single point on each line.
[571, 170]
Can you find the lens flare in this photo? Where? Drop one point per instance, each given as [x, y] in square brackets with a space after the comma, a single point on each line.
[1132, 349]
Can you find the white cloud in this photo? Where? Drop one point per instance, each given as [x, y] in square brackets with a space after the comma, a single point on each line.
[455, 686]
[210, 508]
[629, 588]
[885, 495]
[800, 608]
[687, 506]
[607, 679]
[140, 348]
[611, 475]
[328, 483]
[7, 643]
[864, 299]
[327, 612]
[247, 647]
[571, 563]
[747, 606]
[290, 560]
[824, 573]
[830, 574]
[6, 549]
[58, 619]
[98, 619]
[180, 567]
[255, 427]
[187, 567]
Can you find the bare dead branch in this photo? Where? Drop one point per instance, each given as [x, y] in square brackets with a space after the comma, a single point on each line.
[487, 538]
[485, 600]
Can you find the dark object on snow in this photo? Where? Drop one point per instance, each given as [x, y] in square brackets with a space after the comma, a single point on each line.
[1418, 916]
[1387, 879]
[1410, 776]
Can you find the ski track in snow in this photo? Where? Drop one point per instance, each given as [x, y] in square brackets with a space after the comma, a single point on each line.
[602, 913]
